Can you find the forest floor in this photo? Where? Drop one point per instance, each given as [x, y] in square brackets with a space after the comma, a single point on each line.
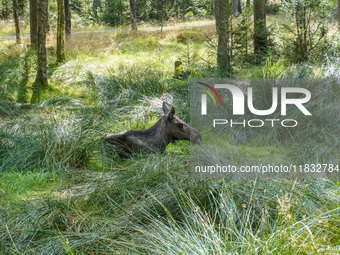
[61, 193]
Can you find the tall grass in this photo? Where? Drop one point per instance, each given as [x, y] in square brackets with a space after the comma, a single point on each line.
[58, 142]
[151, 205]
[256, 218]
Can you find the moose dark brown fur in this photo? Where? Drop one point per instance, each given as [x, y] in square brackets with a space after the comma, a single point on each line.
[169, 128]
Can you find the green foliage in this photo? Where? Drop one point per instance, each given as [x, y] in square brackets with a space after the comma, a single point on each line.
[28, 60]
[115, 12]
[23, 66]
[163, 10]
[239, 40]
[241, 36]
[76, 6]
[309, 28]
[272, 9]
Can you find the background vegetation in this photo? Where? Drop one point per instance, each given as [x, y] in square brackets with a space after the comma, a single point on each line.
[60, 193]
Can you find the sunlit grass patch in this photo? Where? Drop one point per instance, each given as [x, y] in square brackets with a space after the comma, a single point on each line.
[89, 43]
[179, 22]
[7, 27]
[26, 186]
[9, 50]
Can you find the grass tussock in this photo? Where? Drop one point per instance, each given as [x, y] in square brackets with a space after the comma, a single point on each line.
[227, 228]
[49, 142]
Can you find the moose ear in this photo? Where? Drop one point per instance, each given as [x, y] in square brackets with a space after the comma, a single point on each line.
[171, 113]
[166, 107]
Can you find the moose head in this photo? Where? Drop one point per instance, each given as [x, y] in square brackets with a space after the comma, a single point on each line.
[178, 129]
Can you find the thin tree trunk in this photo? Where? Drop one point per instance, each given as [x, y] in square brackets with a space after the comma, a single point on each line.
[41, 78]
[260, 29]
[61, 32]
[236, 8]
[133, 14]
[48, 28]
[223, 12]
[67, 19]
[301, 28]
[339, 14]
[94, 8]
[33, 22]
[23, 92]
[16, 21]
[5, 9]
[216, 13]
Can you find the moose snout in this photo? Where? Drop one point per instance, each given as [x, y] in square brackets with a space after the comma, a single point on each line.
[195, 138]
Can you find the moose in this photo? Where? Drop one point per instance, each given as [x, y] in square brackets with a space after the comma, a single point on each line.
[169, 128]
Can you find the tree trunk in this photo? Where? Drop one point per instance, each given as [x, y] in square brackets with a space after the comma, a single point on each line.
[260, 29]
[33, 22]
[236, 8]
[216, 13]
[223, 12]
[48, 29]
[133, 14]
[160, 11]
[23, 92]
[16, 21]
[67, 19]
[41, 78]
[302, 30]
[339, 14]
[94, 8]
[61, 32]
[239, 7]
[5, 9]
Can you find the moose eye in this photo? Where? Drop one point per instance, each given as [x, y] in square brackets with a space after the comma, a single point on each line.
[180, 125]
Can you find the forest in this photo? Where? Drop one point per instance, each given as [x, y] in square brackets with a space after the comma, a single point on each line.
[73, 71]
